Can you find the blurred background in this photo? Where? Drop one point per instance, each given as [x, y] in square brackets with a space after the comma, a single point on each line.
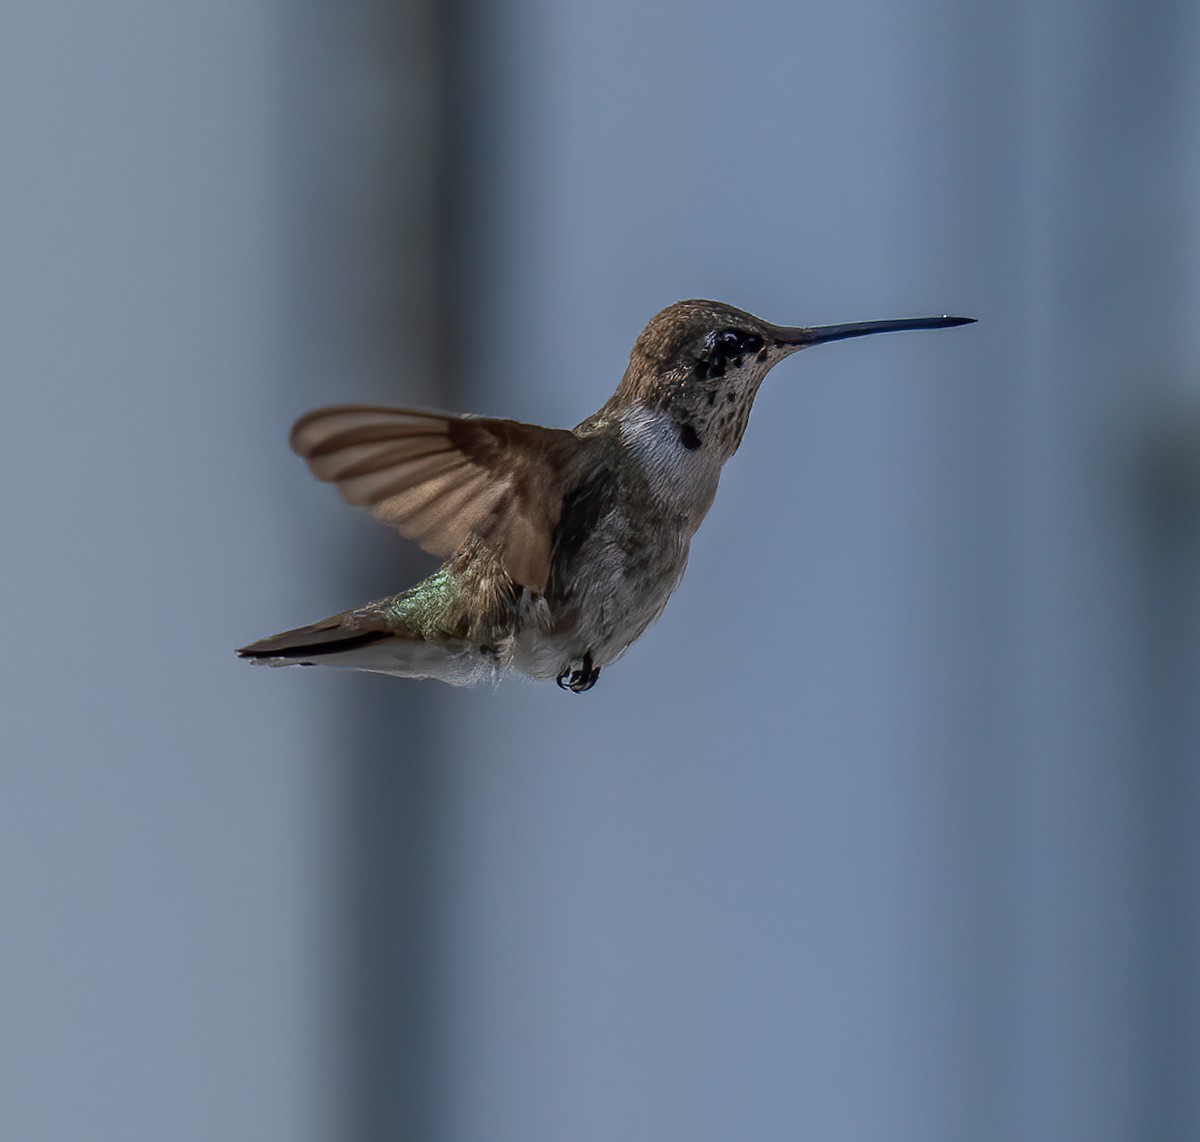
[887, 830]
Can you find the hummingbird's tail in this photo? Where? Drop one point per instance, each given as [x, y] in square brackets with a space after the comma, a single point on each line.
[337, 635]
[371, 639]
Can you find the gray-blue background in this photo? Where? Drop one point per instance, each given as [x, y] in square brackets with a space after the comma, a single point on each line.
[886, 831]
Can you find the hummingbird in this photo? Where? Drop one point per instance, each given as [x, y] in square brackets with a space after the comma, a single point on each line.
[561, 546]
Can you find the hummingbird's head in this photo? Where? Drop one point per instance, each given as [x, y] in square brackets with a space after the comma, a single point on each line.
[703, 362]
[695, 342]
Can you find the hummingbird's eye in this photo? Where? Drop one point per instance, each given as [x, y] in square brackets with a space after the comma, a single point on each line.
[738, 343]
[729, 347]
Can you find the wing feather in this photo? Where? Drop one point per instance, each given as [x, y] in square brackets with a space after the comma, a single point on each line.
[442, 480]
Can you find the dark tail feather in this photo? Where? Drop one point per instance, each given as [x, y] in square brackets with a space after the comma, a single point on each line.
[365, 640]
[338, 634]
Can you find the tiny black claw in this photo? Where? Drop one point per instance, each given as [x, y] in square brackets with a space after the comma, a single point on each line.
[577, 681]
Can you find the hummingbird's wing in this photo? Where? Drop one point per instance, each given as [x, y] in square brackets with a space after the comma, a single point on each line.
[441, 480]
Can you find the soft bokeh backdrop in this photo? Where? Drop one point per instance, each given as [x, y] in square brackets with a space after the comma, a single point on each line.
[886, 831]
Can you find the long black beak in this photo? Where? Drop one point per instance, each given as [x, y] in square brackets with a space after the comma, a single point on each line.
[801, 338]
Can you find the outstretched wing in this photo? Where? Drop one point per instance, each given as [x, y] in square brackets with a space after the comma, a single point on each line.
[441, 480]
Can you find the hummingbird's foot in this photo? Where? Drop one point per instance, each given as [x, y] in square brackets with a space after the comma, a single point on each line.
[580, 678]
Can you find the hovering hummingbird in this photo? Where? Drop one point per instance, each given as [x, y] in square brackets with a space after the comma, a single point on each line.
[563, 546]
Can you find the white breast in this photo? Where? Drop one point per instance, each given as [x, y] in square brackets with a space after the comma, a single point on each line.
[685, 479]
